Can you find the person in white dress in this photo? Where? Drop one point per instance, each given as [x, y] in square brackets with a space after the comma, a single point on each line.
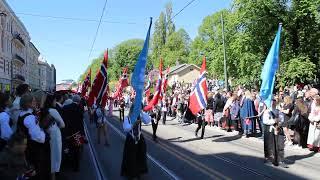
[314, 127]
[54, 122]
[5, 129]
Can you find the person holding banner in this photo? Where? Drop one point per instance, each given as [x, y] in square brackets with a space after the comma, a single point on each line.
[134, 162]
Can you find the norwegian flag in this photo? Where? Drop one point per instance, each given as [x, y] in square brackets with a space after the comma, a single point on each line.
[157, 93]
[147, 88]
[164, 84]
[100, 83]
[123, 83]
[86, 84]
[198, 97]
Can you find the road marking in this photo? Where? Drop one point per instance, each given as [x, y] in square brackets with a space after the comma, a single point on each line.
[165, 169]
[99, 173]
[194, 163]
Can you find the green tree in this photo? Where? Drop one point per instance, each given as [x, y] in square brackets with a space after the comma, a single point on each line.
[177, 48]
[169, 25]
[123, 55]
[297, 70]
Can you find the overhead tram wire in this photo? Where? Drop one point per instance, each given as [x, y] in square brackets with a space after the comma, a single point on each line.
[97, 31]
[188, 4]
[73, 18]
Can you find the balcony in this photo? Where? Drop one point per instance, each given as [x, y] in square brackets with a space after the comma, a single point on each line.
[18, 40]
[19, 60]
[19, 78]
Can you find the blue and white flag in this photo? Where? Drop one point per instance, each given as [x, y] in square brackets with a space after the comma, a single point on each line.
[137, 80]
[269, 70]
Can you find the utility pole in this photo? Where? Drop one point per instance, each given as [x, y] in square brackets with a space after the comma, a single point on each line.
[224, 56]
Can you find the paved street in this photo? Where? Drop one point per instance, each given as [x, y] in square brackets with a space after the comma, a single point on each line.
[180, 155]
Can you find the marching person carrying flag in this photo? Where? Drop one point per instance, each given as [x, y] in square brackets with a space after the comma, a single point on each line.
[198, 96]
[134, 162]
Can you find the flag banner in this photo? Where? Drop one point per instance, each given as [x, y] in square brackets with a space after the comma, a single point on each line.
[99, 86]
[123, 83]
[86, 84]
[148, 88]
[198, 96]
[138, 75]
[157, 92]
[269, 70]
[164, 84]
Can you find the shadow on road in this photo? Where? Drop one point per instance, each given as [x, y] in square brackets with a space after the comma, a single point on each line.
[294, 158]
[227, 138]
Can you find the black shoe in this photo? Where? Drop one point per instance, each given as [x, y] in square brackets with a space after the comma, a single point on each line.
[196, 134]
[229, 130]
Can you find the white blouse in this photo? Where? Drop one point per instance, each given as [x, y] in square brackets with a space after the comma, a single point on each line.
[35, 132]
[127, 126]
[57, 117]
[5, 130]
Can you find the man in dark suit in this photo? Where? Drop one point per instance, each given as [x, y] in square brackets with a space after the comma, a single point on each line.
[74, 130]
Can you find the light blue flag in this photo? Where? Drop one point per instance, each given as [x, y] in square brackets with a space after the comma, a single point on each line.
[138, 76]
[269, 70]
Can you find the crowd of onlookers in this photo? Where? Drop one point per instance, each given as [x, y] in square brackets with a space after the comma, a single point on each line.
[45, 130]
[297, 111]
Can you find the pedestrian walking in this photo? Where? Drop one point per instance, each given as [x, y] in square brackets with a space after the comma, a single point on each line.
[102, 128]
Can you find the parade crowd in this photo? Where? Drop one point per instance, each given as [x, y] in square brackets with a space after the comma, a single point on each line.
[292, 120]
[50, 130]
[41, 131]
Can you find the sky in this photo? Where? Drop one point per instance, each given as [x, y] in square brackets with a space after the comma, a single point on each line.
[66, 43]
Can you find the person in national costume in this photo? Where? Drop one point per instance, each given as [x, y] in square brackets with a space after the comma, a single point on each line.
[273, 137]
[247, 112]
[134, 162]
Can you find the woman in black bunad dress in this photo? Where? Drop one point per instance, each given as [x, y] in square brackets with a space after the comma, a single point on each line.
[134, 162]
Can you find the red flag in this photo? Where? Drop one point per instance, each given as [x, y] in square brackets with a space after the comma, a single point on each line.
[86, 84]
[105, 97]
[147, 88]
[99, 86]
[198, 97]
[164, 84]
[123, 83]
[157, 93]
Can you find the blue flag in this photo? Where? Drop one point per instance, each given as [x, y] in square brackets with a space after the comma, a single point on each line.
[138, 76]
[269, 70]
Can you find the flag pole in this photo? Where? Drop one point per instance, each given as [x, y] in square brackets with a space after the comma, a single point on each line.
[224, 56]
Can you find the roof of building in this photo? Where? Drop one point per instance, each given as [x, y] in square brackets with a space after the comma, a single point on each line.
[34, 47]
[181, 67]
[6, 5]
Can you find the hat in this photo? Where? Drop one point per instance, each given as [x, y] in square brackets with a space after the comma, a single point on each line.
[76, 98]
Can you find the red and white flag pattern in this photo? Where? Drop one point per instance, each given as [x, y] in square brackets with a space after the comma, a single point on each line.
[86, 84]
[123, 83]
[157, 94]
[164, 84]
[100, 83]
[198, 97]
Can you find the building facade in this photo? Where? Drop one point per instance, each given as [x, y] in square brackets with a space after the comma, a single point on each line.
[47, 76]
[33, 70]
[186, 73]
[18, 56]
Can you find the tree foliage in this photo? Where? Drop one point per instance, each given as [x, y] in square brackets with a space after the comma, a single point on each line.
[250, 27]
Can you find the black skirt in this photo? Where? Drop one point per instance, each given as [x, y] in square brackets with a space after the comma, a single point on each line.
[134, 162]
